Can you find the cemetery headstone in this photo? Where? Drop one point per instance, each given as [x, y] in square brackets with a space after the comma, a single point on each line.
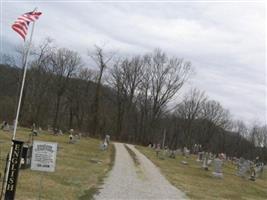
[259, 169]
[205, 161]
[218, 168]
[239, 162]
[243, 168]
[34, 131]
[107, 138]
[186, 152]
[195, 148]
[166, 152]
[178, 152]
[6, 127]
[158, 150]
[102, 146]
[200, 156]
[49, 129]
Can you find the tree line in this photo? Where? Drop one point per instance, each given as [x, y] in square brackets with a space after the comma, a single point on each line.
[126, 97]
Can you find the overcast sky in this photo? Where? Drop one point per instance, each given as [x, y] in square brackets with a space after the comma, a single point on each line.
[224, 41]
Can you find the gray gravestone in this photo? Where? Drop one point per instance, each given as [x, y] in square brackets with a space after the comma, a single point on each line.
[205, 161]
[103, 146]
[259, 169]
[218, 168]
[178, 152]
[6, 127]
[158, 150]
[239, 162]
[107, 138]
[243, 168]
[200, 156]
[186, 152]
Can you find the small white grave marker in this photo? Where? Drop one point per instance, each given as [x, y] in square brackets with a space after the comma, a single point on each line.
[44, 156]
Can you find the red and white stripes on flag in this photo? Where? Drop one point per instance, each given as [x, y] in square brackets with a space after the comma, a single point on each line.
[22, 23]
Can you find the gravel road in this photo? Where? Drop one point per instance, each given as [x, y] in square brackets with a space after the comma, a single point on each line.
[126, 181]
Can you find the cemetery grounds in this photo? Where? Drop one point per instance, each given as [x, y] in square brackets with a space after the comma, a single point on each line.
[80, 168]
[200, 184]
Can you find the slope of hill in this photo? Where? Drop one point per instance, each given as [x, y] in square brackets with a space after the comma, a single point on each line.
[200, 184]
[80, 167]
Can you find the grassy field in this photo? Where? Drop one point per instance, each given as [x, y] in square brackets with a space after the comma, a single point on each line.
[200, 184]
[77, 175]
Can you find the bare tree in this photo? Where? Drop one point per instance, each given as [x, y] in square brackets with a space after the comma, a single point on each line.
[215, 113]
[39, 81]
[126, 76]
[240, 127]
[118, 82]
[101, 60]
[167, 76]
[216, 121]
[64, 65]
[80, 102]
[264, 135]
[258, 134]
[7, 59]
[144, 104]
[188, 111]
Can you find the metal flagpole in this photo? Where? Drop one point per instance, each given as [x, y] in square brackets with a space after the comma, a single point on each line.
[20, 97]
[22, 84]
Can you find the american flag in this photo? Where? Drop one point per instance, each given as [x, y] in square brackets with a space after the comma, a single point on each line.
[22, 23]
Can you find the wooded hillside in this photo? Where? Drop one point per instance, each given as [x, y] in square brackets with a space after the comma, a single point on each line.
[127, 98]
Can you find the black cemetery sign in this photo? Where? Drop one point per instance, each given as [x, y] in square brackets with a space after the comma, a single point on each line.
[13, 170]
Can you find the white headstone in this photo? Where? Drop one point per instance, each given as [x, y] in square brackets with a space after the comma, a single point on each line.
[44, 156]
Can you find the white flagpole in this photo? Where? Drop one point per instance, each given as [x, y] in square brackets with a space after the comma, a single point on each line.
[19, 102]
[23, 81]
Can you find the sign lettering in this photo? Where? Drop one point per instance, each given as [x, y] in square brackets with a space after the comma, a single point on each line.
[13, 170]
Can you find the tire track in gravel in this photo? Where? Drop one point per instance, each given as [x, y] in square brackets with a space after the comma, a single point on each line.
[126, 181]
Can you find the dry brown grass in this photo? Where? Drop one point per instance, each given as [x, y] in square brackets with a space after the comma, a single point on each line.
[76, 177]
[200, 184]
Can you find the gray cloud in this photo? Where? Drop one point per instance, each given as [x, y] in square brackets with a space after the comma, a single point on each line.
[224, 41]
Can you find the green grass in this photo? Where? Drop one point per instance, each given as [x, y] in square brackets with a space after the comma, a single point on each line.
[76, 176]
[200, 184]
